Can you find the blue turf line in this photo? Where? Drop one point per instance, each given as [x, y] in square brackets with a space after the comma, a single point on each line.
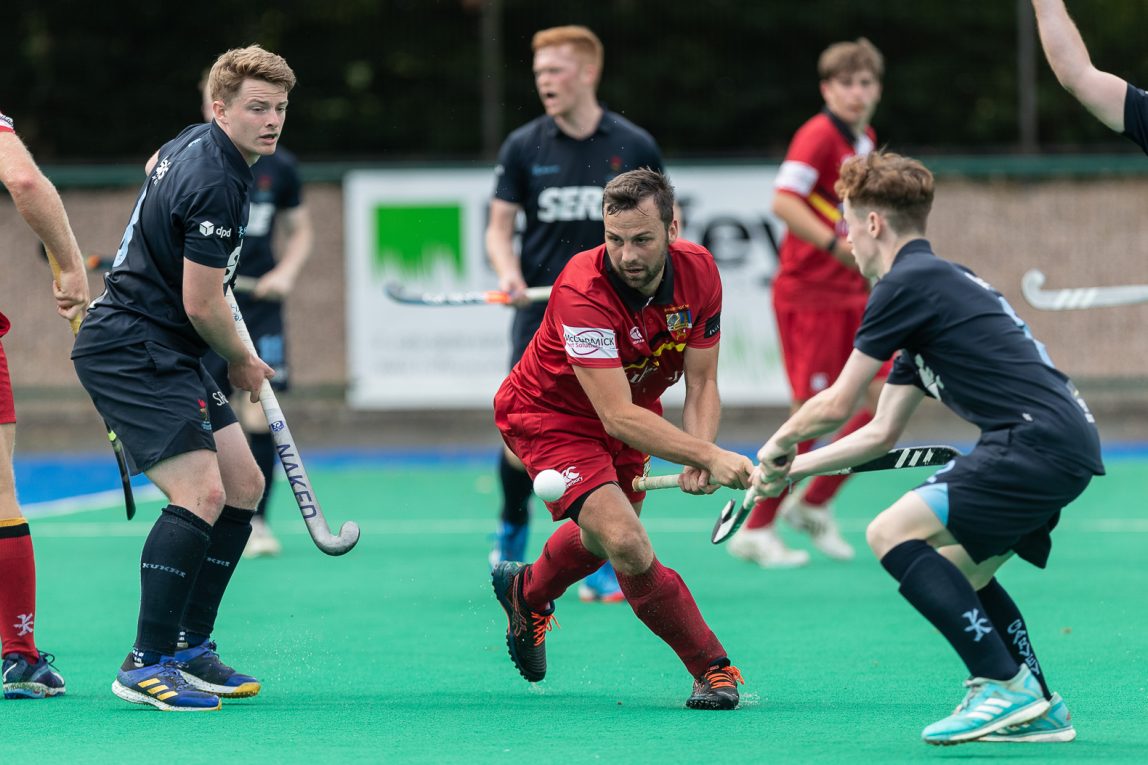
[46, 477]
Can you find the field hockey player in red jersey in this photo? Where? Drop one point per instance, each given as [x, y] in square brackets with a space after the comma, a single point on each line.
[625, 321]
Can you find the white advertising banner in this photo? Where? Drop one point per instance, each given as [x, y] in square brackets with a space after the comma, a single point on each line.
[424, 229]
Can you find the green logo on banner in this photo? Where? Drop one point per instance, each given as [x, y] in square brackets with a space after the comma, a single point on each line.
[419, 240]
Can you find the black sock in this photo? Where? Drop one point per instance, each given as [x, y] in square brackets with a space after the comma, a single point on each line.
[263, 449]
[169, 567]
[516, 490]
[942, 594]
[1005, 616]
[228, 538]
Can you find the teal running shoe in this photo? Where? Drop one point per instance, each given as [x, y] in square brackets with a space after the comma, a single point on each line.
[25, 679]
[989, 706]
[162, 686]
[1054, 726]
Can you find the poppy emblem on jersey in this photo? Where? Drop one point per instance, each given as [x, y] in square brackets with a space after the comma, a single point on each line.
[206, 425]
[590, 342]
[679, 322]
[615, 163]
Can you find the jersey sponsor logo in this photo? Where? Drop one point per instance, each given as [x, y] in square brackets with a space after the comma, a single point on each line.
[160, 171]
[545, 169]
[259, 218]
[713, 325]
[679, 322]
[6, 122]
[797, 177]
[207, 228]
[590, 342]
[930, 379]
[561, 203]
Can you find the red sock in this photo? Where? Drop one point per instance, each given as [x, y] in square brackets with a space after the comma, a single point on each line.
[563, 562]
[17, 589]
[664, 604]
[764, 512]
[824, 487]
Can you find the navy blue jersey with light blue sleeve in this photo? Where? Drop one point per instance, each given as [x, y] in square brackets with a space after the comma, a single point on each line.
[558, 182]
[193, 205]
[1136, 116]
[962, 343]
[275, 187]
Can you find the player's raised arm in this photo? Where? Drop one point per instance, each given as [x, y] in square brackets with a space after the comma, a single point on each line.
[1101, 93]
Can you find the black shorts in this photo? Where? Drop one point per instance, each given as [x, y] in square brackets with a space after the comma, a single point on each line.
[526, 323]
[1006, 494]
[160, 402]
[264, 320]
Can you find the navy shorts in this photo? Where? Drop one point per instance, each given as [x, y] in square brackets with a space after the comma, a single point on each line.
[264, 320]
[526, 323]
[160, 402]
[1006, 494]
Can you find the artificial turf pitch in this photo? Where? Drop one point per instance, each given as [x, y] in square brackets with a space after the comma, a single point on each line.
[395, 652]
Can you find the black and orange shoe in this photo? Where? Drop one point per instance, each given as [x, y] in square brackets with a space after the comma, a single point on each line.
[716, 689]
[526, 629]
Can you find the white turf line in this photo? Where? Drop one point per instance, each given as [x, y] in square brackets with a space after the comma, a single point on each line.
[86, 503]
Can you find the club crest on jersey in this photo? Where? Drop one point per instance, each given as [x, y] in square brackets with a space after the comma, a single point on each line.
[679, 322]
[636, 336]
[206, 424]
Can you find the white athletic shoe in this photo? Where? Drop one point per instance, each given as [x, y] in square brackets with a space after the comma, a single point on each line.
[262, 542]
[764, 547]
[819, 524]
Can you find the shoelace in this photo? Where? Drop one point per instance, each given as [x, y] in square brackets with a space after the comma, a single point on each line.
[723, 677]
[540, 624]
[172, 677]
[543, 623]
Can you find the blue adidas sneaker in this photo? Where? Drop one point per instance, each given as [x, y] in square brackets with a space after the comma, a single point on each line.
[25, 679]
[509, 543]
[989, 706]
[162, 686]
[601, 587]
[1054, 726]
[201, 666]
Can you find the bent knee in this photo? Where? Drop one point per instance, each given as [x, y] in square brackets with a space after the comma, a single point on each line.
[630, 551]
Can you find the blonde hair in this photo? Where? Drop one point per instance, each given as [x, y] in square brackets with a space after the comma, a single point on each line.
[900, 187]
[844, 58]
[584, 42]
[238, 64]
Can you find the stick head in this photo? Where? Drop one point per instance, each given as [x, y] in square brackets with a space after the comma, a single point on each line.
[727, 523]
[336, 545]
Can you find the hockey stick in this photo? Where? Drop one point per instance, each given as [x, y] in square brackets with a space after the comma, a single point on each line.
[117, 447]
[1079, 298]
[732, 516]
[401, 294]
[289, 457]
